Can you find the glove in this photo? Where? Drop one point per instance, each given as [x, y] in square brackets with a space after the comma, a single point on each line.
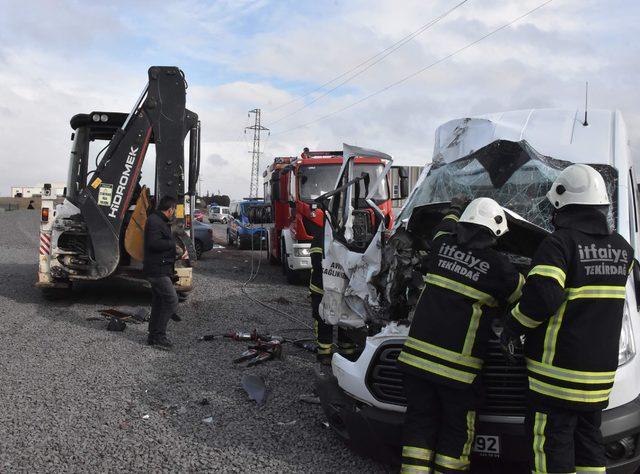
[460, 202]
[509, 343]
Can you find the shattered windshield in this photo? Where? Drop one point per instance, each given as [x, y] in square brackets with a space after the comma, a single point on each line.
[512, 173]
[314, 181]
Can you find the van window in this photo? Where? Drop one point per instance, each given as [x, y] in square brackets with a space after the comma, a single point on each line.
[215, 210]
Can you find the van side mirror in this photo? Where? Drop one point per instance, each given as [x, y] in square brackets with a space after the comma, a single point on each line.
[234, 215]
[636, 280]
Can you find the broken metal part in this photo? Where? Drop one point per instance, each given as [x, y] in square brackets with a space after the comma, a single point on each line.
[255, 388]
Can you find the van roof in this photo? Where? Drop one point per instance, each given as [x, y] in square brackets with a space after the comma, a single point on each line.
[559, 133]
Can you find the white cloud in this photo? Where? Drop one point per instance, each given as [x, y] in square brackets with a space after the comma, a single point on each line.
[62, 58]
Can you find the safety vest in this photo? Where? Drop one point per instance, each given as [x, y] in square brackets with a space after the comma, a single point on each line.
[464, 288]
[571, 311]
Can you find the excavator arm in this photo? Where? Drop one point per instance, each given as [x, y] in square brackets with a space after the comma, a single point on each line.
[159, 116]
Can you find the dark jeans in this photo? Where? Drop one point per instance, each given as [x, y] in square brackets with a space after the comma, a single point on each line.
[163, 304]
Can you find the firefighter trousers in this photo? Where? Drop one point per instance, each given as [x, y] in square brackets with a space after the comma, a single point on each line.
[439, 427]
[324, 332]
[564, 440]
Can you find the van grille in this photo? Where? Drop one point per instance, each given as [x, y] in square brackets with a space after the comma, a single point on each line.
[505, 385]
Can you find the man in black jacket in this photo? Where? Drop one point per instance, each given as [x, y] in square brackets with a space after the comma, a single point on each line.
[571, 311]
[159, 259]
[466, 283]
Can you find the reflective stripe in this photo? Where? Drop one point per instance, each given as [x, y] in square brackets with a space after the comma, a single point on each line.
[551, 272]
[417, 453]
[596, 291]
[571, 394]
[316, 289]
[315, 250]
[523, 318]
[540, 458]
[436, 368]
[443, 353]
[470, 338]
[551, 335]
[440, 233]
[453, 217]
[631, 267]
[570, 375]
[471, 431]
[460, 288]
[590, 469]
[451, 463]
[409, 468]
[517, 293]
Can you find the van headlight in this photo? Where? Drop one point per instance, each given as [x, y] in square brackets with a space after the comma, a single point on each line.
[627, 347]
[302, 252]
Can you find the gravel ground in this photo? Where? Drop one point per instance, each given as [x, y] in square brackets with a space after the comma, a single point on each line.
[77, 398]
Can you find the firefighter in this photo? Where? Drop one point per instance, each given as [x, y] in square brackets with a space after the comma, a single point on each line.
[571, 312]
[323, 331]
[466, 283]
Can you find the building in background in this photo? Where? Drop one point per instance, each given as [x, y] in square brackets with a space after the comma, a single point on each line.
[57, 189]
[413, 173]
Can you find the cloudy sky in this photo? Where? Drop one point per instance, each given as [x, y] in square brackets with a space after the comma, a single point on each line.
[58, 58]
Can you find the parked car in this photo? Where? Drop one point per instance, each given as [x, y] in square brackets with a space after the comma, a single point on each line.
[203, 238]
[218, 214]
[198, 215]
[241, 232]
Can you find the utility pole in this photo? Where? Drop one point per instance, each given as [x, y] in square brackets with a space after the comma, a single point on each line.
[255, 153]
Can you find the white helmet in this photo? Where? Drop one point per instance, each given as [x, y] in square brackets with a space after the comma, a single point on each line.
[578, 184]
[488, 213]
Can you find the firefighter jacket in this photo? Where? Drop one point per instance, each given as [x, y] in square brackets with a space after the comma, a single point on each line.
[571, 310]
[317, 250]
[466, 283]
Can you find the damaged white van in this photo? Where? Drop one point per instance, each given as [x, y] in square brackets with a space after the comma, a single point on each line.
[513, 158]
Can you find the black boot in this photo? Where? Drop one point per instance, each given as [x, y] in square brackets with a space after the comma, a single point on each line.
[160, 342]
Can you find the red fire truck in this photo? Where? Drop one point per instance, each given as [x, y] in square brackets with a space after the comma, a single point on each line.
[291, 185]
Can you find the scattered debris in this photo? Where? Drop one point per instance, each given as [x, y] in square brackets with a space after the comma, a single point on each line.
[204, 402]
[116, 324]
[208, 420]
[145, 417]
[325, 425]
[287, 423]
[255, 388]
[135, 315]
[306, 344]
[309, 398]
[281, 300]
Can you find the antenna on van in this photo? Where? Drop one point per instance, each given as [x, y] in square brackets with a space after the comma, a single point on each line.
[586, 104]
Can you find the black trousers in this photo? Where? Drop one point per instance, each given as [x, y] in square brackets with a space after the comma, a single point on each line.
[564, 440]
[324, 332]
[439, 426]
[164, 302]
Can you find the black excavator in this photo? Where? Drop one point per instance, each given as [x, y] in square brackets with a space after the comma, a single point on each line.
[98, 230]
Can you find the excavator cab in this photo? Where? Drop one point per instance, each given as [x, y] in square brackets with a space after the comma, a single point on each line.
[98, 230]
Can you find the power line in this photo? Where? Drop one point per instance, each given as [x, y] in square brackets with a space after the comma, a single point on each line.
[416, 73]
[372, 62]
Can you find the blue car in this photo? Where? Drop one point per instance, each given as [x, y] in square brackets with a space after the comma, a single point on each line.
[242, 233]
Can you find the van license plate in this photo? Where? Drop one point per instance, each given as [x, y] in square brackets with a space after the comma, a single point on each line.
[487, 445]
